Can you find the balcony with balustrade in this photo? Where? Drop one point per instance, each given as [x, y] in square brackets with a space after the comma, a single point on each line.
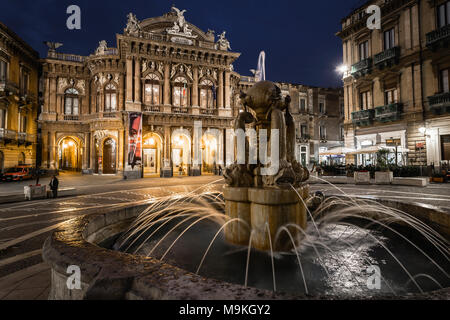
[440, 103]
[387, 58]
[388, 113]
[362, 68]
[363, 117]
[439, 38]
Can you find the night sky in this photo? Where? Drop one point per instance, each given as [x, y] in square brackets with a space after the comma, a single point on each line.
[297, 36]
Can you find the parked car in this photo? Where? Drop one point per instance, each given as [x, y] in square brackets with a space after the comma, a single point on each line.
[18, 173]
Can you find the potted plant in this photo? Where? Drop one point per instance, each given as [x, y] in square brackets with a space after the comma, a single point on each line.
[383, 175]
[362, 176]
[438, 178]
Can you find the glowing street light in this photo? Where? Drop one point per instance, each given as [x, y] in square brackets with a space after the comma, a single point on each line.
[342, 69]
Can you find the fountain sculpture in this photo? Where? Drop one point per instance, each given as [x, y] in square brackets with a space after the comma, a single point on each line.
[260, 198]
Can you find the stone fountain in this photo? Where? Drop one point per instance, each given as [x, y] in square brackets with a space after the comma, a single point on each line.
[266, 193]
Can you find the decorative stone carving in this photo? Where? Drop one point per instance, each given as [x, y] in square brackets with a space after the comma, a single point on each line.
[81, 85]
[62, 83]
[101, 134]
[265, 110]
[180, 26]
[102, 47]
[223, 43]
[133, 28]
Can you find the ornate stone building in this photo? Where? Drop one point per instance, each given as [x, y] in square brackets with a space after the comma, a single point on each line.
[165, 72]
[318, 114]
[396, 86]
[19, 74]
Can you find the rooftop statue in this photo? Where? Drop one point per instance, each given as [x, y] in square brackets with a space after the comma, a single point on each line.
[133, 28]
[102, 47]
[223, 43]
[180, 26]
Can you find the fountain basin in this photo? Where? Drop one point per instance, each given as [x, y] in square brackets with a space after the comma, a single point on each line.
[108, 274]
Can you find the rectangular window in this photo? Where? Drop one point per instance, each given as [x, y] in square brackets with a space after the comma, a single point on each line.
[322, 108]
[2, 118]
[363, 50]
[443, 14]
[302, 105]
[365, 100]
[323, 133]
[342, 132]
[342, 109]
[389, 39]
[303, 130]
[23, 123]
[24, 81]
[391, 96]
[3, 70]
[444, 81]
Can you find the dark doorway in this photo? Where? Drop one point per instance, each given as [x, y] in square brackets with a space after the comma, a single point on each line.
[109, 156]
[445, 146]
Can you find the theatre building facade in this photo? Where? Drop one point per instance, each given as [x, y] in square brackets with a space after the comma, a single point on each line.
[135, 109]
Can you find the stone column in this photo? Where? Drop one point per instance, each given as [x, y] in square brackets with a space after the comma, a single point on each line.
[220, 90]
[166, 84]
[195, 102]
[121, 102]
[92, 155]
[45, 146]
[166, 171]
[227, 90]
[53, 151]
[47, 95]
[52, 96]
[129, 84]
[137, 81]
[85, 164]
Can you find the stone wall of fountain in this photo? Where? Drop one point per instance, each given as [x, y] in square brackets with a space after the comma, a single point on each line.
[262, 202]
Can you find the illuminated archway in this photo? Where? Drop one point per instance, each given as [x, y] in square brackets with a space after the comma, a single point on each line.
[181, 153]
[152, 154]
[210, 147]
[69, 156]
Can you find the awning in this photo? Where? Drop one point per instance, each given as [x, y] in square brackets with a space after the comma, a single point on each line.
[375, 149]
[337, 151]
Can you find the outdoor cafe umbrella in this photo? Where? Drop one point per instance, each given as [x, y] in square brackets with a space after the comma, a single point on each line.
[337, 151]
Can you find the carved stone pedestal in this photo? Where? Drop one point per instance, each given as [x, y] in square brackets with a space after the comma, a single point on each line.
[265, 211]
[237, 206]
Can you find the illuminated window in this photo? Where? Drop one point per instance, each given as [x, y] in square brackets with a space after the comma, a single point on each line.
[110, 97]
[207, 94]
[391, 96]
[389, 39]
[180, 92]
[152, 90]
[71, 103]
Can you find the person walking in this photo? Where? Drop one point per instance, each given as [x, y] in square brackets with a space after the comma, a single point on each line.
[54, 183]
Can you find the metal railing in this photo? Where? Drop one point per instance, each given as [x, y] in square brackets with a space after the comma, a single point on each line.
[70, 117]
[388, 55]
[362, 67]
[438, 35]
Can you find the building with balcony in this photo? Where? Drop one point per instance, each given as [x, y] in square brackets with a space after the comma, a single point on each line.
[19, 74]
[132, 109]
[396, 87]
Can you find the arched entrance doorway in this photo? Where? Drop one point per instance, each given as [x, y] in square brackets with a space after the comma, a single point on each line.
[109, 156]
[209, 154]
[69, 154]
[152, 154]
[181, 152]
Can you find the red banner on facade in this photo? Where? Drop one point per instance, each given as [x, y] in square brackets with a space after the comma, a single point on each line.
[135, 139]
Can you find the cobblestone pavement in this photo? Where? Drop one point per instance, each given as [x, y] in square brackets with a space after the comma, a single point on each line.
[25, 226]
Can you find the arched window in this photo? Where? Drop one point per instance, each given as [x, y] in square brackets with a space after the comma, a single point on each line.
[152, 90]
[71, 102]
[110, 97]
[207, 94]
[180, 92]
